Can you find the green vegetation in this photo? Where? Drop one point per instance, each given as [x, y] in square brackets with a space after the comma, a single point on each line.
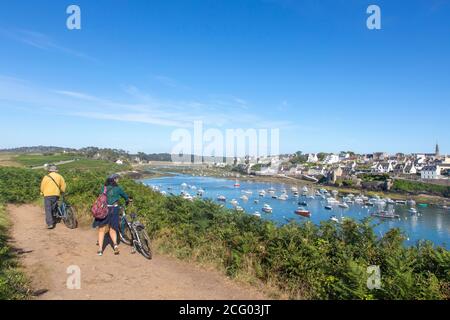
[368, 177]
[326, 261]
[416, 187]
[89, 164]
[13, 284]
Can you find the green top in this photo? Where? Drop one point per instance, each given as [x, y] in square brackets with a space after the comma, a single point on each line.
[114, 194]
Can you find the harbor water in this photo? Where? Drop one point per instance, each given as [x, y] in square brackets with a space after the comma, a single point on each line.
[430, 223]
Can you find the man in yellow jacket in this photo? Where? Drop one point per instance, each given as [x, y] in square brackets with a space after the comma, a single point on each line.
[52, 186]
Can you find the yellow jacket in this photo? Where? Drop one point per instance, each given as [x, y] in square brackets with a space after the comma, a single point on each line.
[48, 186]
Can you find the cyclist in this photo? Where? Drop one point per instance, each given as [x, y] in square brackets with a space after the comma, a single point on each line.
[52, 186]
[111, 222]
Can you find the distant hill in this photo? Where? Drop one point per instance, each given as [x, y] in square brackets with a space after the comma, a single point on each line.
[39, 149]
[103, 153]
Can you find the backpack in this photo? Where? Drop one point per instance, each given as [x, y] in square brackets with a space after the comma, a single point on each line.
[100, 207]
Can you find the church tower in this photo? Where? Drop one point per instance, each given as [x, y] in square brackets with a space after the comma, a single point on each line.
[437, 151]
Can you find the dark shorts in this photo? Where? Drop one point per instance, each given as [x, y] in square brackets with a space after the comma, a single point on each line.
[112, 219]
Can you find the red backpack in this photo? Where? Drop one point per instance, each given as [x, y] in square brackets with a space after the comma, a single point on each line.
[100, 207]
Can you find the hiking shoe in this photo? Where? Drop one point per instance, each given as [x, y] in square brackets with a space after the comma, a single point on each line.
[50, 226]
[116, 249]
[99, 252]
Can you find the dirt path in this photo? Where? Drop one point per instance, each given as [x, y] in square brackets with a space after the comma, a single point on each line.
[48, 254]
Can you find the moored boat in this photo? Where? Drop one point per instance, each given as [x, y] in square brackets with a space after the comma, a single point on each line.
[303, 212]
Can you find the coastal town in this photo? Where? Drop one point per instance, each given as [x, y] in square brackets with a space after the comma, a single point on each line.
[345, 168]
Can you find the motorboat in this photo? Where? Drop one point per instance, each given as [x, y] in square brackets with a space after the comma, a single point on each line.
[303, 203]
[334, 218]
[283, 197]
[262, 193]
[184, 185]
[244, 198]
[221, 198]
[257, 214]
[385, 215]
[328, 207]
[187, 196]
[303, 212]
[343, 205]
[234, 202]
[332, 201]
[267, 209]
[413, 211]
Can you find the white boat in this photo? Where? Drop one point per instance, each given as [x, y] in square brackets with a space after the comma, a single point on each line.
[239, 208]
[262, 193]
[283, 197]
[413, 211]
[311, 197]
[184, 185]
[343, 205]
[294, 189]
[234, 202]
[334, 192]
[333, 218]
[221, 198]
[249, 192]
[332, 201]
[257, 214]
[187, 196]
[244, 198]
[271, 189]
[266, 208]
[305, 189]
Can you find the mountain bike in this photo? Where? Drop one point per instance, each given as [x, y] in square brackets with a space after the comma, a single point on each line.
[132, 232]
[65, 212]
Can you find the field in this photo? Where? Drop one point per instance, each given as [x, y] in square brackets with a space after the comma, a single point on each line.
[35, 160]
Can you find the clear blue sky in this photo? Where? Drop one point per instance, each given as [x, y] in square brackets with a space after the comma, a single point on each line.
[137, 70]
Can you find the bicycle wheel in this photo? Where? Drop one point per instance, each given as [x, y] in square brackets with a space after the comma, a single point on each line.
[125, 234]
[70, 219]
[144, 247]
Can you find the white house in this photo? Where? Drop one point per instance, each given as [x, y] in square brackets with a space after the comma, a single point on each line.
[383, 167]
[331, 159]
[119, 162]
[430, 172]
[312, 158]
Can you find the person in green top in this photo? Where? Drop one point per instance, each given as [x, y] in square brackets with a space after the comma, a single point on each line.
[111, 222]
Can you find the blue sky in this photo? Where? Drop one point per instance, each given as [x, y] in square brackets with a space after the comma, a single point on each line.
[137, 70]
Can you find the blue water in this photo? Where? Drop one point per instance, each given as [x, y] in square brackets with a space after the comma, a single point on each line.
[431, 223]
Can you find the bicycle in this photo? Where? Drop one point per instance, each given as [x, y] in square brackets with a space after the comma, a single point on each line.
[132, 232]
[65, 212]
